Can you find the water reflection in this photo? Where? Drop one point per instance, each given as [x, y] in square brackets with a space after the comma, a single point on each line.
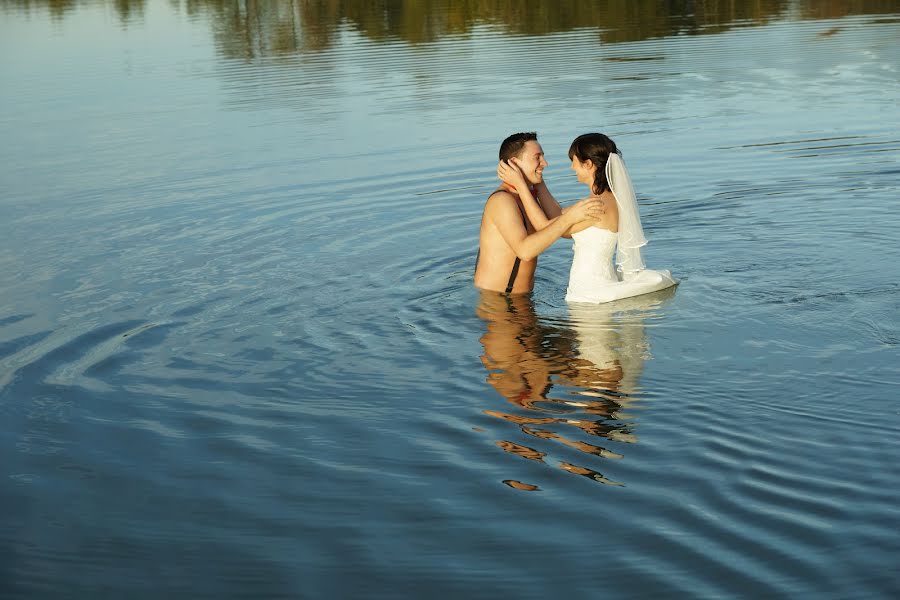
[251, 28]
[567, 380]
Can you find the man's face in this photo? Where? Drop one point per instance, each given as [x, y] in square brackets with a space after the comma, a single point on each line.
[532, 162]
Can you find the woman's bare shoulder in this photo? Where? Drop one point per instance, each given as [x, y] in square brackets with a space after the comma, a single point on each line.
[610, 218]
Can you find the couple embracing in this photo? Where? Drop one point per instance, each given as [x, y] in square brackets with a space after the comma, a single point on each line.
[522, 219]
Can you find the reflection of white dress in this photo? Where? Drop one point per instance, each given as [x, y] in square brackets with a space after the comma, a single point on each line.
[593, 277]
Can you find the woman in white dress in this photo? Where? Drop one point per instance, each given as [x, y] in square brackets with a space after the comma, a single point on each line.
[594, 276]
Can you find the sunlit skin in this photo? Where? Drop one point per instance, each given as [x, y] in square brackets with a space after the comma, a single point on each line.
[504, 236]
[518, 175]
[531, 163]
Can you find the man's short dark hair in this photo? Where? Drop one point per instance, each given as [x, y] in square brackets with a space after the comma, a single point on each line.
[512, 146]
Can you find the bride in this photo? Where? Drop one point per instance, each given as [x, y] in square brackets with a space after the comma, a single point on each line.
[594, 277]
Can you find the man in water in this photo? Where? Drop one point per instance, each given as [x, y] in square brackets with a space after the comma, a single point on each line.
[508, 245]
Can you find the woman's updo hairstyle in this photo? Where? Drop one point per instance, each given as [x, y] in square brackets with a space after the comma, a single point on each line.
[596, 147]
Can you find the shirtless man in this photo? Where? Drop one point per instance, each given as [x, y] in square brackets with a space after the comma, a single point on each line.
[508, 245]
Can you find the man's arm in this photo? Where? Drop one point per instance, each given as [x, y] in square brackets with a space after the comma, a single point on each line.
[550, 204]
[504, 214]
[512, 175]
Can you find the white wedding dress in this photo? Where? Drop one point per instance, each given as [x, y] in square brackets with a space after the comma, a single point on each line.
[594, 277]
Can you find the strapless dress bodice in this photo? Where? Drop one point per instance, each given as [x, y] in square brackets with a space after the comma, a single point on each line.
[592, 260]
[593, 277]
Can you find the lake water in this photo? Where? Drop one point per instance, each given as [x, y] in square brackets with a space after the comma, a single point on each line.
[241, 354]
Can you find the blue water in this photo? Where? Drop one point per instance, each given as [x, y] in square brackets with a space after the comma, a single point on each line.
[241, 353]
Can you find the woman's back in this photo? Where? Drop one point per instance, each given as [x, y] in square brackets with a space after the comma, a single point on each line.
[609, 220]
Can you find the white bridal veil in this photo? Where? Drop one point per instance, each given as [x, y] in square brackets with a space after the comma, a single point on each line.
[631, 235]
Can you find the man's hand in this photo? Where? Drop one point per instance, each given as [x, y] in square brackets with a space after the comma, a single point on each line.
[510, 174]
[589, 209]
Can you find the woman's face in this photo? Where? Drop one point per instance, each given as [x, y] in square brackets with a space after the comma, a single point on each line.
[584, 170]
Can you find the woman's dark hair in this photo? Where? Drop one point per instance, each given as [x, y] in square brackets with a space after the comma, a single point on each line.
[596, 147]
[512, 146]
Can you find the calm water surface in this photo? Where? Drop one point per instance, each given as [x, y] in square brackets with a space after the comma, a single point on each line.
[241, 353]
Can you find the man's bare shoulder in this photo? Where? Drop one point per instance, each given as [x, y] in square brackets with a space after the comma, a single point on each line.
[500, 203]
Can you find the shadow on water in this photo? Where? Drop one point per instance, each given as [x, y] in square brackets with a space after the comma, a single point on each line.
[567, 381]
[253, 28]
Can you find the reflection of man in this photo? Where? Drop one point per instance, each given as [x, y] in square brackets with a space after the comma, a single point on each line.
[513, 344]
[595, 361]
[508, 245]
[524, 356]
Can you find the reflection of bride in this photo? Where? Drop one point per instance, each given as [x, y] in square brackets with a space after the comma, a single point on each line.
[560, 375]
[593, 278]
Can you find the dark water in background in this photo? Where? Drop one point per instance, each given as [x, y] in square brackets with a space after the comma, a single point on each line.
[240, 352]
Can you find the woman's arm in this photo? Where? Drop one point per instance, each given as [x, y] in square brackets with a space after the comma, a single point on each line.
[512, 175]
[504, 214]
